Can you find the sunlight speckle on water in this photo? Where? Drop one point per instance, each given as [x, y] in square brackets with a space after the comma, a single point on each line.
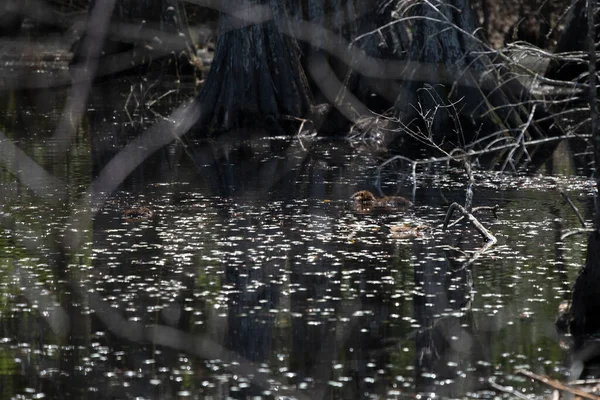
[255, 275]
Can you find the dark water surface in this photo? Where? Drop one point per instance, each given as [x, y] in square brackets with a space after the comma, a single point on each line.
[256, 277]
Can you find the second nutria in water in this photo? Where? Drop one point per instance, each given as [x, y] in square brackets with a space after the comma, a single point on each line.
[138, 213]
[366, 199]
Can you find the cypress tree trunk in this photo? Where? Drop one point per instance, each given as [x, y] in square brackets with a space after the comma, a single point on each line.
[575, 38]
[361, 24]
[456, 78]
[360, 27]
[585, 308]
[391, 43]
[235, 93]
[256, 79]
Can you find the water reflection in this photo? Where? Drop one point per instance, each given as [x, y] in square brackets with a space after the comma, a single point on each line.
[449, 351]
[256, 277]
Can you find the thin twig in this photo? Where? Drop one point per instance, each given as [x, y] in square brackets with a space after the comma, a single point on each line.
[585, 382]
[493, 209]
[470, 181]
[568, 200]
[507, 389]
[575, 232]
[557, 385]
[150, 103]
[520, 141]
[433, 160]
[474, 221]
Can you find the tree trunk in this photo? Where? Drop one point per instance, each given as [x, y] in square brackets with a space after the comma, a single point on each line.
[228, 97]
[456, 95]
[349, 30]
[585, 308]
[584, 312]
[365, 21]
[256, 79]
[573, 38]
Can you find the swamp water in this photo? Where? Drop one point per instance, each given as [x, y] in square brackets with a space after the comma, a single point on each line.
[256, 277]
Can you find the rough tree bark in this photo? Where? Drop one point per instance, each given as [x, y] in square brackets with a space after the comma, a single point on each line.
[574, 38]
[584, 313]
[585, 308]
[227, 96]
[256, 79]
[362, 24]
[390, 43]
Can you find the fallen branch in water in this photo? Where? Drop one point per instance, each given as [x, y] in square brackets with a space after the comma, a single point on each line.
[583, 382]
[474, 221]
[493, 209]
[568, 200]
[473, 153]
[575, 232]
[507, 389]
[557, 385]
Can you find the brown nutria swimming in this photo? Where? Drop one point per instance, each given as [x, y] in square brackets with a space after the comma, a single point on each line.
[407, 230]
[365, 199]
[138, 213]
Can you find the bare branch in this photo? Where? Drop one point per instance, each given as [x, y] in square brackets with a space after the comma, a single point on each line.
[474, 221]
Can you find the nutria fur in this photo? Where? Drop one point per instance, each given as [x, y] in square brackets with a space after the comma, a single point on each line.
[137, 213]
[364, 198]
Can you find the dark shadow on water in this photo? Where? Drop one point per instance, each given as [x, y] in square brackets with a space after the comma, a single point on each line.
[448, 349]
[254, 245]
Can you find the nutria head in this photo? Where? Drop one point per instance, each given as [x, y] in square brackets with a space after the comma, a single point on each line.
[364, 196]
[141, 212]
